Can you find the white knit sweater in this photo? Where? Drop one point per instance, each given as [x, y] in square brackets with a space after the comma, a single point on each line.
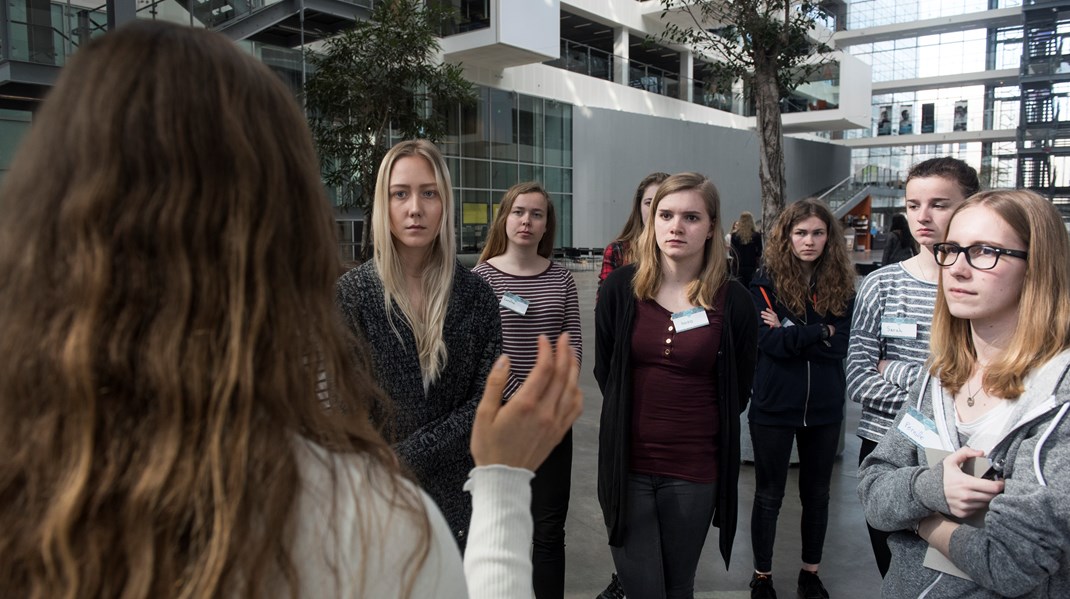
[361, 544]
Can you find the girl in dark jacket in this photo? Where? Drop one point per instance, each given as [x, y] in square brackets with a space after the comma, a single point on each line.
[805, 294]
[674, 357]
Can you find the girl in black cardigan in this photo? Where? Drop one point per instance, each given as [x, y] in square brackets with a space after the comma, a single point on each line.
[805, 292]
[657, 323]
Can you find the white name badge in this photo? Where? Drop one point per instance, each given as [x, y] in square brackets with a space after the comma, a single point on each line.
[787, 323]
[512, 301]
[920, 429]
[690, 319]
[899, 328]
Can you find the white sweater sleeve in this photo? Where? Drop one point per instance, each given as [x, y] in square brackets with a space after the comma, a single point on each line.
[496, 562]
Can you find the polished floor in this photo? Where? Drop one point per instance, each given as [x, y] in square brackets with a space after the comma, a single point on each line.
[847, 569]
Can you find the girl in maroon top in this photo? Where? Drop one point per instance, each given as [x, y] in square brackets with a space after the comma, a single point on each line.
[675, 348]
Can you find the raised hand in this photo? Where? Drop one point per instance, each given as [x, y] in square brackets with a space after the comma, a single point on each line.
[522, 432]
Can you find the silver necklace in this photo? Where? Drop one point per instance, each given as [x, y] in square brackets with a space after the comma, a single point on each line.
[970, 394]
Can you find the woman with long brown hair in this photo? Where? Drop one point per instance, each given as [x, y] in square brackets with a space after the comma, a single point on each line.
[170, 332]
[805, 295]
[621, 250]
[536, 297]
[674, 357]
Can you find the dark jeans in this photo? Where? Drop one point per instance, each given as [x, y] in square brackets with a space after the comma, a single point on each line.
[772, 456]
[877, 538]
[665, 526]
[550, 491]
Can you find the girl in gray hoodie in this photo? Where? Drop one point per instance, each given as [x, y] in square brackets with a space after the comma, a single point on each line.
[973, 479]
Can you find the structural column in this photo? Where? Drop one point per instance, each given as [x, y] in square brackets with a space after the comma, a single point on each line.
[620, 55]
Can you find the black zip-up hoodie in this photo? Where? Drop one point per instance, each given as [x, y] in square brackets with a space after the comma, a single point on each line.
[799, 380]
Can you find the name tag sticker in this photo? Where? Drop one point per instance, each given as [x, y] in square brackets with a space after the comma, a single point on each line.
[920, 429]
[690, 319]
[787, 323]
[899, 328]
[512, 301]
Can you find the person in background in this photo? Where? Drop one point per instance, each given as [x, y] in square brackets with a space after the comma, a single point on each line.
[746, 244]
[169, 331]
[893, 312]
[432, 326]
[535, 297]
[621, 251]
[675, 345]
[618, 253]
[900, 244]
[804, 293]
[985, 489]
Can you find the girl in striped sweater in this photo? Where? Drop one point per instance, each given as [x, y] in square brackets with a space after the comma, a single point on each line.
[536, 297]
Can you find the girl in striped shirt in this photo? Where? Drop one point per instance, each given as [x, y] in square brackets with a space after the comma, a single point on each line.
[537, 297]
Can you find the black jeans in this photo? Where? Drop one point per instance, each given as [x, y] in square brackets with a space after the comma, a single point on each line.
[550, 491]
[665, 526]
[877, 538]
[772, 456]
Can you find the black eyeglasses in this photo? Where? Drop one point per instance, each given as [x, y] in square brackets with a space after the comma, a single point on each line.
[981, 257]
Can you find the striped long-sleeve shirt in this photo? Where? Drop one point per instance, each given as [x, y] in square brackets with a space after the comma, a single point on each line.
[553, 309]
[887, 293]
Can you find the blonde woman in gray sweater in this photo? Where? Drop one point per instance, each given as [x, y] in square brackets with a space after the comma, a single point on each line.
[996, 389]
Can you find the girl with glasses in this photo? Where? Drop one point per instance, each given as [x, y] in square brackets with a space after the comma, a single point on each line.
[674, 358]
[971, 479]
[804, 293]
[535, 297]
[890, 328]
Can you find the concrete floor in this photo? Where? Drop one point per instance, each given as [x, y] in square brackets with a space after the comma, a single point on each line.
[848, 569]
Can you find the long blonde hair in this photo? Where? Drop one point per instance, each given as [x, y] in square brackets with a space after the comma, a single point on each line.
[834, 274]
[714, 273]
[168, 257]
[437, 278]
[498, 240]
[1044, 331]
[746, 229]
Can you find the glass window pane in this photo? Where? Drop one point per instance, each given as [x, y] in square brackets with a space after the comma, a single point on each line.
[530, 129]
[475, 219]
[503, 175]
[475, 174]
[473, 140]
[502, 114]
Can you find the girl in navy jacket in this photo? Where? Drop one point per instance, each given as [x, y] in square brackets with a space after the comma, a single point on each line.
[805, 295]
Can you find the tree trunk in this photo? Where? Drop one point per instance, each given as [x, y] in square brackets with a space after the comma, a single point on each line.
[770, 141]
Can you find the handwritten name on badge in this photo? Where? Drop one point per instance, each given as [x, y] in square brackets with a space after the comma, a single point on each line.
[920, 429]
[690, 319]
[899, 328]
[512, 301]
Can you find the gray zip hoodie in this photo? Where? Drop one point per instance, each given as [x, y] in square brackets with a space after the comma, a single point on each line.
[1024, 548]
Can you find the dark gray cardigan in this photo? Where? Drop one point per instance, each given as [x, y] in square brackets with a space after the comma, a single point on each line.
[431, 433]
[614, 315]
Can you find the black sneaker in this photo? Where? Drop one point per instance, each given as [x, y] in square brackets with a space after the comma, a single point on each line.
[614, 590]
[810, 586]
[761, 586]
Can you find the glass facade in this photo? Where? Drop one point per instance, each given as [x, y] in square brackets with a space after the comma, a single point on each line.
[941, 110]
[502, 139]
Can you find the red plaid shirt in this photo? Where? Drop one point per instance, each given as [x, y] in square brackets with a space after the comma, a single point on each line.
[612, 258]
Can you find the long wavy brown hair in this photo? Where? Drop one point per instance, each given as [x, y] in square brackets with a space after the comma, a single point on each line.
[833, 276]
[498, 240]
[633, 227]
[168, 260]
[648, 273]
[1044, 326]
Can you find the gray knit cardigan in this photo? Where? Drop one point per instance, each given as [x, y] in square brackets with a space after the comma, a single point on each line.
[431, 433]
